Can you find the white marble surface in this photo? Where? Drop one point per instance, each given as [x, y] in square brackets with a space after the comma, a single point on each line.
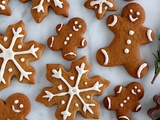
[97, 35]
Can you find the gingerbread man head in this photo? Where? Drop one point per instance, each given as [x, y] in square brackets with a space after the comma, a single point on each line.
[134, 13]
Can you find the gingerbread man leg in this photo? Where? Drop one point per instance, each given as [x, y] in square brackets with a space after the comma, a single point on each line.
[108, 103]
[108, 57]
[137, 68]
[123, 115]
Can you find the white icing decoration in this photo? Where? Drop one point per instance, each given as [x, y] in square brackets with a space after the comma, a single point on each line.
[40, 6]
[128, 98]
[70, 53]
[85, 83]
[76, 105]
[82, 43]
[60, 27]
[149, 33]
[70, 35]
[3, 2]
[120, 89]
[133, 92]
[124, 101]
[139, 90]
[52, 42]
[106, 56]
[80, 26]
[138, 107]
[75, 22]
[72, 78]
[75, 29]
[21, 106]
[121, 105]
[59, 87]
[16, 101]
[129, 42]
[132, 19]
[8, 54]
[19, 46]
[109, 103]
[10, 70]
[5, 39]
[88, 97]
[140, 69]
[124, 117]
[22, 59]
[62, 102]
[65, 42]
[126, 50]
[135, 87]
[15, 110]
[131, 32]
[100, 3]
[131, 10]
[73, 90]
[137, 13]
[114, 21]
[67, 38]
[2, 7]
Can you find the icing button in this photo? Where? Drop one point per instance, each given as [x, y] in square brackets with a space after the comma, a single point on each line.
[126, 50]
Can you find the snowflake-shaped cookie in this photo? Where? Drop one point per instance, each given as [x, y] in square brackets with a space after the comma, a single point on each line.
[72, 90]
[4, 8]
[15, 55]
[100, 6]
[40, 8]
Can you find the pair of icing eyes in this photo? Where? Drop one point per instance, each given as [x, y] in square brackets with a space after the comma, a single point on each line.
[76, 23]
[16, 102]
[138, 90]
[137, 13]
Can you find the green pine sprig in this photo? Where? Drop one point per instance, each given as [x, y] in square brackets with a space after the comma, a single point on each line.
[157, 63]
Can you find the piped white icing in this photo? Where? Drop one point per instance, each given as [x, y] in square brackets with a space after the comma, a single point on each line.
[5, 39]
[109, 103]
[138, 107]
[131, 32]
[149, 33]
[52, 42]
[70, 53]
[15, 110]
[59, 87]
[72, 78]
[2, 7]
[76, 105]
[59, 29]
[106, 56]
[22, 59]
[124, 117]
[133, 92]
[129, 42]
[120, 89]
[132, 19]
[75, 29]
[114, 21]
[140, 69]
[82, 43]
[62, 102]
[10, 70]
[19, 46]
[126, 50]
[100, 3]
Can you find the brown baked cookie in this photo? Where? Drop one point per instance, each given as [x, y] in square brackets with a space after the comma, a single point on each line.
[130, 34]
[15, 56]
[40, 8]
[16, 107]
[69, 38]
[100, 6]
[126, 99]
[4, 8]
[154, 113]
[73, 91]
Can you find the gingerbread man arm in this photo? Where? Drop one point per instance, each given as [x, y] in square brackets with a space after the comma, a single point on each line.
[137, 107]
[110, 103]
[82, 43]
[147, 35]
[59, 27]
[112, 21]
[119, 89]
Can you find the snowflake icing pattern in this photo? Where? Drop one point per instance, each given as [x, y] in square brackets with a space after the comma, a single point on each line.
[39, 10]
[68, 87]
[11, 47]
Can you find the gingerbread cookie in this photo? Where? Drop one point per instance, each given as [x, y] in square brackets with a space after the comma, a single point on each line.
[100, 6]
[73, 91]
[69, 38]
[126, 99]
[40, 8]
[4, 8]
[129, 36]
[154, 113]
[15, 56]
[16, 107]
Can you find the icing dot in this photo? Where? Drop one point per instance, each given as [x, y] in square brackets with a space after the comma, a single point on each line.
[126, 50]
[19, 46]
[125, 101]
[135, 87]
[128, 98]
[137, 13]
[5, 39]
[65, 42]
[128, 42]
[76, 105]
[76, 22]
[3, 2]
[16, 101]
[67, 38]
[62, 102]
[138, 90]
[70, 35]
[106, 8]
[72, 78]
[121, 104]
[22, 59]
[21, 106]
[131, 32]
[79, 26]
[88, 97]
[19, 29]
[60, 87]
[10, 70]
[131, 10]
[95, 7]
[85, 83]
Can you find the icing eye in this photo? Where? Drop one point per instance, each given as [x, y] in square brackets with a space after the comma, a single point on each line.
[137, 13]
[79, 26]
[16, 102]
[135, 87]
[21, 106]
[131, 10]
[138, 90]
[76, 22]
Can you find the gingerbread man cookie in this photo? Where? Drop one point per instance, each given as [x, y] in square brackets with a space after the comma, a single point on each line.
[126, 99]
[16, 107]
[73, 91]
[40, 10]
[152, 111]
[69, 38]
[16, 55]
[129, 36]
[4, 8]
[100, 6]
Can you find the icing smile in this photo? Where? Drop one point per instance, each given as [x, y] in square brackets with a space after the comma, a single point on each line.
[75, 29]
[15, 110]
[133, 19]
